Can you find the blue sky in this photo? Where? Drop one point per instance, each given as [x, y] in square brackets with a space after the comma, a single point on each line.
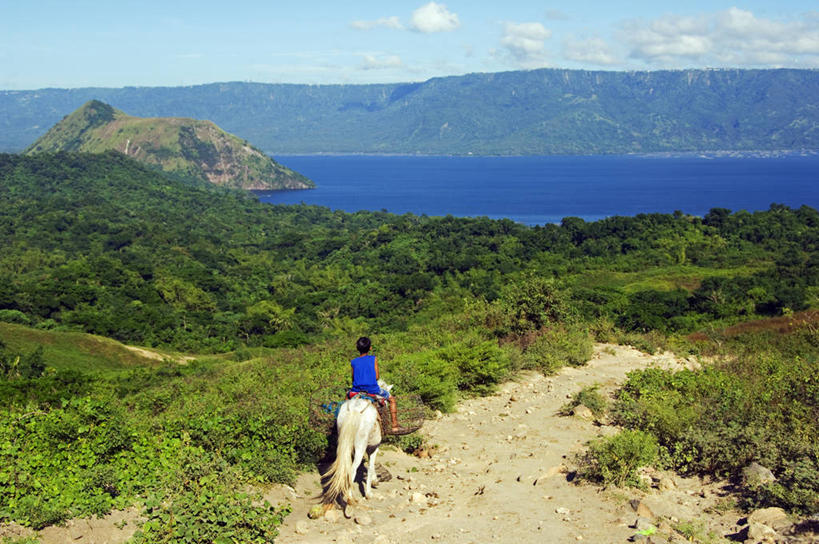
[45, 43]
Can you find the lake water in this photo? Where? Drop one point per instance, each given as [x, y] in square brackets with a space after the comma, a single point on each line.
[540, 190]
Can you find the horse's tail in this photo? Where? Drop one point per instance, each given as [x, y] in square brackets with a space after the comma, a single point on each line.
[339, 477]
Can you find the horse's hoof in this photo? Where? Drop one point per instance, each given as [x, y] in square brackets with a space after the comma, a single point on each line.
[348, 514]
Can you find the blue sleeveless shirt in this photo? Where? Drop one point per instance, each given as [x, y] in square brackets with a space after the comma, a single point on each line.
[364, 375]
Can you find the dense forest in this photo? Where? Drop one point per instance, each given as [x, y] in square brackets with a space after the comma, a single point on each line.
[102, 245]
[541, 112]
[268, 298]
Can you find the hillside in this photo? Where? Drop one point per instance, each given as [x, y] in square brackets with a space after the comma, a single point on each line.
[108, 246]
[547, 111]
[75, 350]
[187, 147]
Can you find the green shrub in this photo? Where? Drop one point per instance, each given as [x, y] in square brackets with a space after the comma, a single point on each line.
[407, 443]
[434, 380]
[14, 316]
[481, 365]
[530, 304]
[20, 540]
[207, 512]
[615, 460]
[559, 347]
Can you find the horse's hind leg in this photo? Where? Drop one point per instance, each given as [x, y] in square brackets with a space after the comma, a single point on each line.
[357, 458]
[371, 476]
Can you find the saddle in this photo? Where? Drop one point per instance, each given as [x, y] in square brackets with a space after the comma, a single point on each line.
[378, 400]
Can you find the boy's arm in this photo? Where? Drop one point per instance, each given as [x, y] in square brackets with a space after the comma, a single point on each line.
[377, 374]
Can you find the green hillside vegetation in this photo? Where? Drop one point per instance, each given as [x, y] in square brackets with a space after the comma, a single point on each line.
[272, 297]
[64, 350]
[191, 149]
[547, 111]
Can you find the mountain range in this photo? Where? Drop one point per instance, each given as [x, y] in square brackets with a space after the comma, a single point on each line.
[186, 147]
[546, 111]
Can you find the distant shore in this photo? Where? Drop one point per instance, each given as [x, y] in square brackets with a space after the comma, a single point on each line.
[740, 154]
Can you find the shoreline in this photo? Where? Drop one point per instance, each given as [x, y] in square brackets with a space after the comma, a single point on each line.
[711, 154]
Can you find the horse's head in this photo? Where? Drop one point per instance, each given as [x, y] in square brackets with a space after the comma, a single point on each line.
[385, 386]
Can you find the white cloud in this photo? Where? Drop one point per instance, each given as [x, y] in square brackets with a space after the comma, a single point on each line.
[525, 42]
[557, 15]
[387, 22]
[434, 17]
[371, 62]
[590, 51]
[734, 37]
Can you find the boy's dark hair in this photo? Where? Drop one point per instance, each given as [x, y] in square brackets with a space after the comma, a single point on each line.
[363, 345]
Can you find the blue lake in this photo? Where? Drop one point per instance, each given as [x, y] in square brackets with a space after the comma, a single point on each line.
[540, 190]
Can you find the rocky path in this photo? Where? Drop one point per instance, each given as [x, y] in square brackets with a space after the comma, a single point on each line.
[497, 472]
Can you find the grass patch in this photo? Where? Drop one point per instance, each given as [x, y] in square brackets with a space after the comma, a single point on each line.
[589, 397]
[72, 350]
[667, 278]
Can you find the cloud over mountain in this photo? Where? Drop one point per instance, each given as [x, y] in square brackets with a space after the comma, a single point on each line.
[731, 37]
[525, 42]
[434, 17]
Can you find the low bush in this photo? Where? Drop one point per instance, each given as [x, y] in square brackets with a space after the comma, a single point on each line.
[761, 404]
[615, 460]
[480, 364]
[434, 380]
[557, 347]
[589, 397]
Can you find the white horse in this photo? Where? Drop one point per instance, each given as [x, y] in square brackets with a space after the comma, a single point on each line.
[359, 430]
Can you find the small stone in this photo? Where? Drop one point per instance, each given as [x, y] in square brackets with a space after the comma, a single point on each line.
[363, 520]
[644, 524]
[666, 483]
[583, 412]
[578, 537]
[302, 527]
[562, 511]
[759, 532]
[642, 509]
[755, 475]
[773, 517]
[418, 498]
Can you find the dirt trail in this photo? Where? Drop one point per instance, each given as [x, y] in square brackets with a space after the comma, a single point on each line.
[150, 354]
[500, 474]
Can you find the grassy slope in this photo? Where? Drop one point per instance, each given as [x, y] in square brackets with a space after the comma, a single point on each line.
[72, 350]
[666, 278]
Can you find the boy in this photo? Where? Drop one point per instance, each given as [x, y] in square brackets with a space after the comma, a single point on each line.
[365, 377]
